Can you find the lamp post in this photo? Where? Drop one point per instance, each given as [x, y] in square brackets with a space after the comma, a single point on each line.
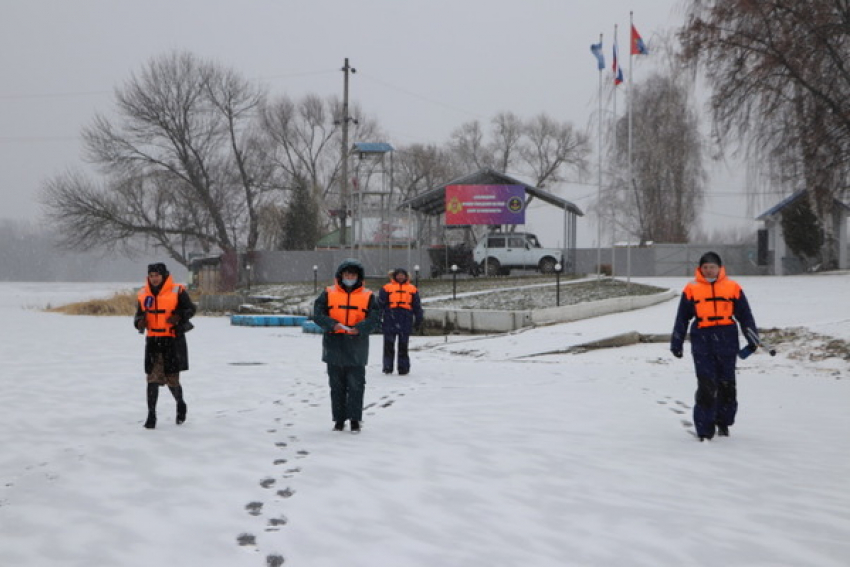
[248, 269]
[454, 281]
[416, 271]
[558, 285]
[315, 278]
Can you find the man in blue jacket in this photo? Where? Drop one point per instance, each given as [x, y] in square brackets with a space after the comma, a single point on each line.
[717, 306]
[402, 312]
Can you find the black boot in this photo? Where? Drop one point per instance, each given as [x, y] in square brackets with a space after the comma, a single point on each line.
[153, 395]
[150, 423]
[177, 392]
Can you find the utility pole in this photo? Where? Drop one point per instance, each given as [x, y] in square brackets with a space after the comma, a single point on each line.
[343, 188]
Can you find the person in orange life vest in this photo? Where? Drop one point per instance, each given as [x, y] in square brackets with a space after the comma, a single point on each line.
[718, 307]
[163, 310]
[402, 312]
[347, 312]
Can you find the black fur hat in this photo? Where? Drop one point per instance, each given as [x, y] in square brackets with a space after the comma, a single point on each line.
[158, 268]
[710, 258]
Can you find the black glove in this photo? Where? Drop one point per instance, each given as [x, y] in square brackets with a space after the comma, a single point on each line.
[677, 352]
[747, 351]
[141, 323]
[174, 319]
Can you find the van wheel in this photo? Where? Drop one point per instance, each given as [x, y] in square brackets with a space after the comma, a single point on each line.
[491, 267]
[547, 266]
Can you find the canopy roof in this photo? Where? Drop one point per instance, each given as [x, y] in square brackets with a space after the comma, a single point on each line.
[774, 211]
[433, 201]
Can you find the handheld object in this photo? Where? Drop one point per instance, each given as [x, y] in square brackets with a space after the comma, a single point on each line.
[754, 340]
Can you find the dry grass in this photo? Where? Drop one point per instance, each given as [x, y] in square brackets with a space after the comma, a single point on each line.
[122, 303]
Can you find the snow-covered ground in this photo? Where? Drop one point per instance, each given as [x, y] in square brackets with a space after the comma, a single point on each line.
[482, 456]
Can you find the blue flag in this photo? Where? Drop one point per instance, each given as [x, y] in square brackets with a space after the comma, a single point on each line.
[596, 49]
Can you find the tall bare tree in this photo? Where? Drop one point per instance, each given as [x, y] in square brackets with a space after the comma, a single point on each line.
[181, 162]
[668, 177]
[781, 84]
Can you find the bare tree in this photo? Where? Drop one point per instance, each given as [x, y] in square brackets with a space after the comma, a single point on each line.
[181, 162]
[540, 148]
[468, 147]
[668, 178]
[419, 168]
[549, 146]
[780, 83]
[304, 142]
[507, 131]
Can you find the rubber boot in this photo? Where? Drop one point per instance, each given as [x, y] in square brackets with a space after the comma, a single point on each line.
[153, 395]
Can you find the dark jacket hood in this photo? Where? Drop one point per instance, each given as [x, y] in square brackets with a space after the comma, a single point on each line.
[351, 264]
[398, 271]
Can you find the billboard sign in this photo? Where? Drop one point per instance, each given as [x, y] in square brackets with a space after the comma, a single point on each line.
[485, 204]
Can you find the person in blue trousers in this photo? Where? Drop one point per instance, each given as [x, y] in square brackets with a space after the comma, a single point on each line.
[717, 305]
[402, 313]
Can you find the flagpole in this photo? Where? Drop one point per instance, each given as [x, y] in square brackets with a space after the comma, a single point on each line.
[599, 177]
[631, 183]
[616, 156]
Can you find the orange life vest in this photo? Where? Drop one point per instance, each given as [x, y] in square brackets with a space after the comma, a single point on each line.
[713, 302]
[158, 308]
[400, 295]
[348, 308]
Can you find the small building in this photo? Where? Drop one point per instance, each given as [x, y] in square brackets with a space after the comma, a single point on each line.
[773, 250]
[432, 204]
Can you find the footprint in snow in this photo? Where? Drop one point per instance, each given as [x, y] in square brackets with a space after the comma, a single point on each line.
[254, 508]
[281, 521]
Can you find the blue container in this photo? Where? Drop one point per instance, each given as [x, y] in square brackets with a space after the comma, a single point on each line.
[310, 327]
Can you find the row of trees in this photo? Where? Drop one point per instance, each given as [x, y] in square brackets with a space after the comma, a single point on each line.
[197, 158]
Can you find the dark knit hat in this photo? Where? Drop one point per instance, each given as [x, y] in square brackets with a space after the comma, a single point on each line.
[710, 258]
[158, 268]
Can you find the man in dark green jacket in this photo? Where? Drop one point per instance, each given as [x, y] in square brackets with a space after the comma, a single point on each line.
[347, 312]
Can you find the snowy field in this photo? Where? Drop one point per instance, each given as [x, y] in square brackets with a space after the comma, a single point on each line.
[484, 456]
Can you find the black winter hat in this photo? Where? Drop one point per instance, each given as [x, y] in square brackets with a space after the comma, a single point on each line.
[353, 265]
[710, 258]
[398, 271]
[158, 268]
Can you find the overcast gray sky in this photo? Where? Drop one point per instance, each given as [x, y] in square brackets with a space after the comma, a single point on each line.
[423, 68]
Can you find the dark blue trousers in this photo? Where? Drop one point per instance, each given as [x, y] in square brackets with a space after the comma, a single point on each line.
[716, 396]
[390, 354]
[347, 386]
